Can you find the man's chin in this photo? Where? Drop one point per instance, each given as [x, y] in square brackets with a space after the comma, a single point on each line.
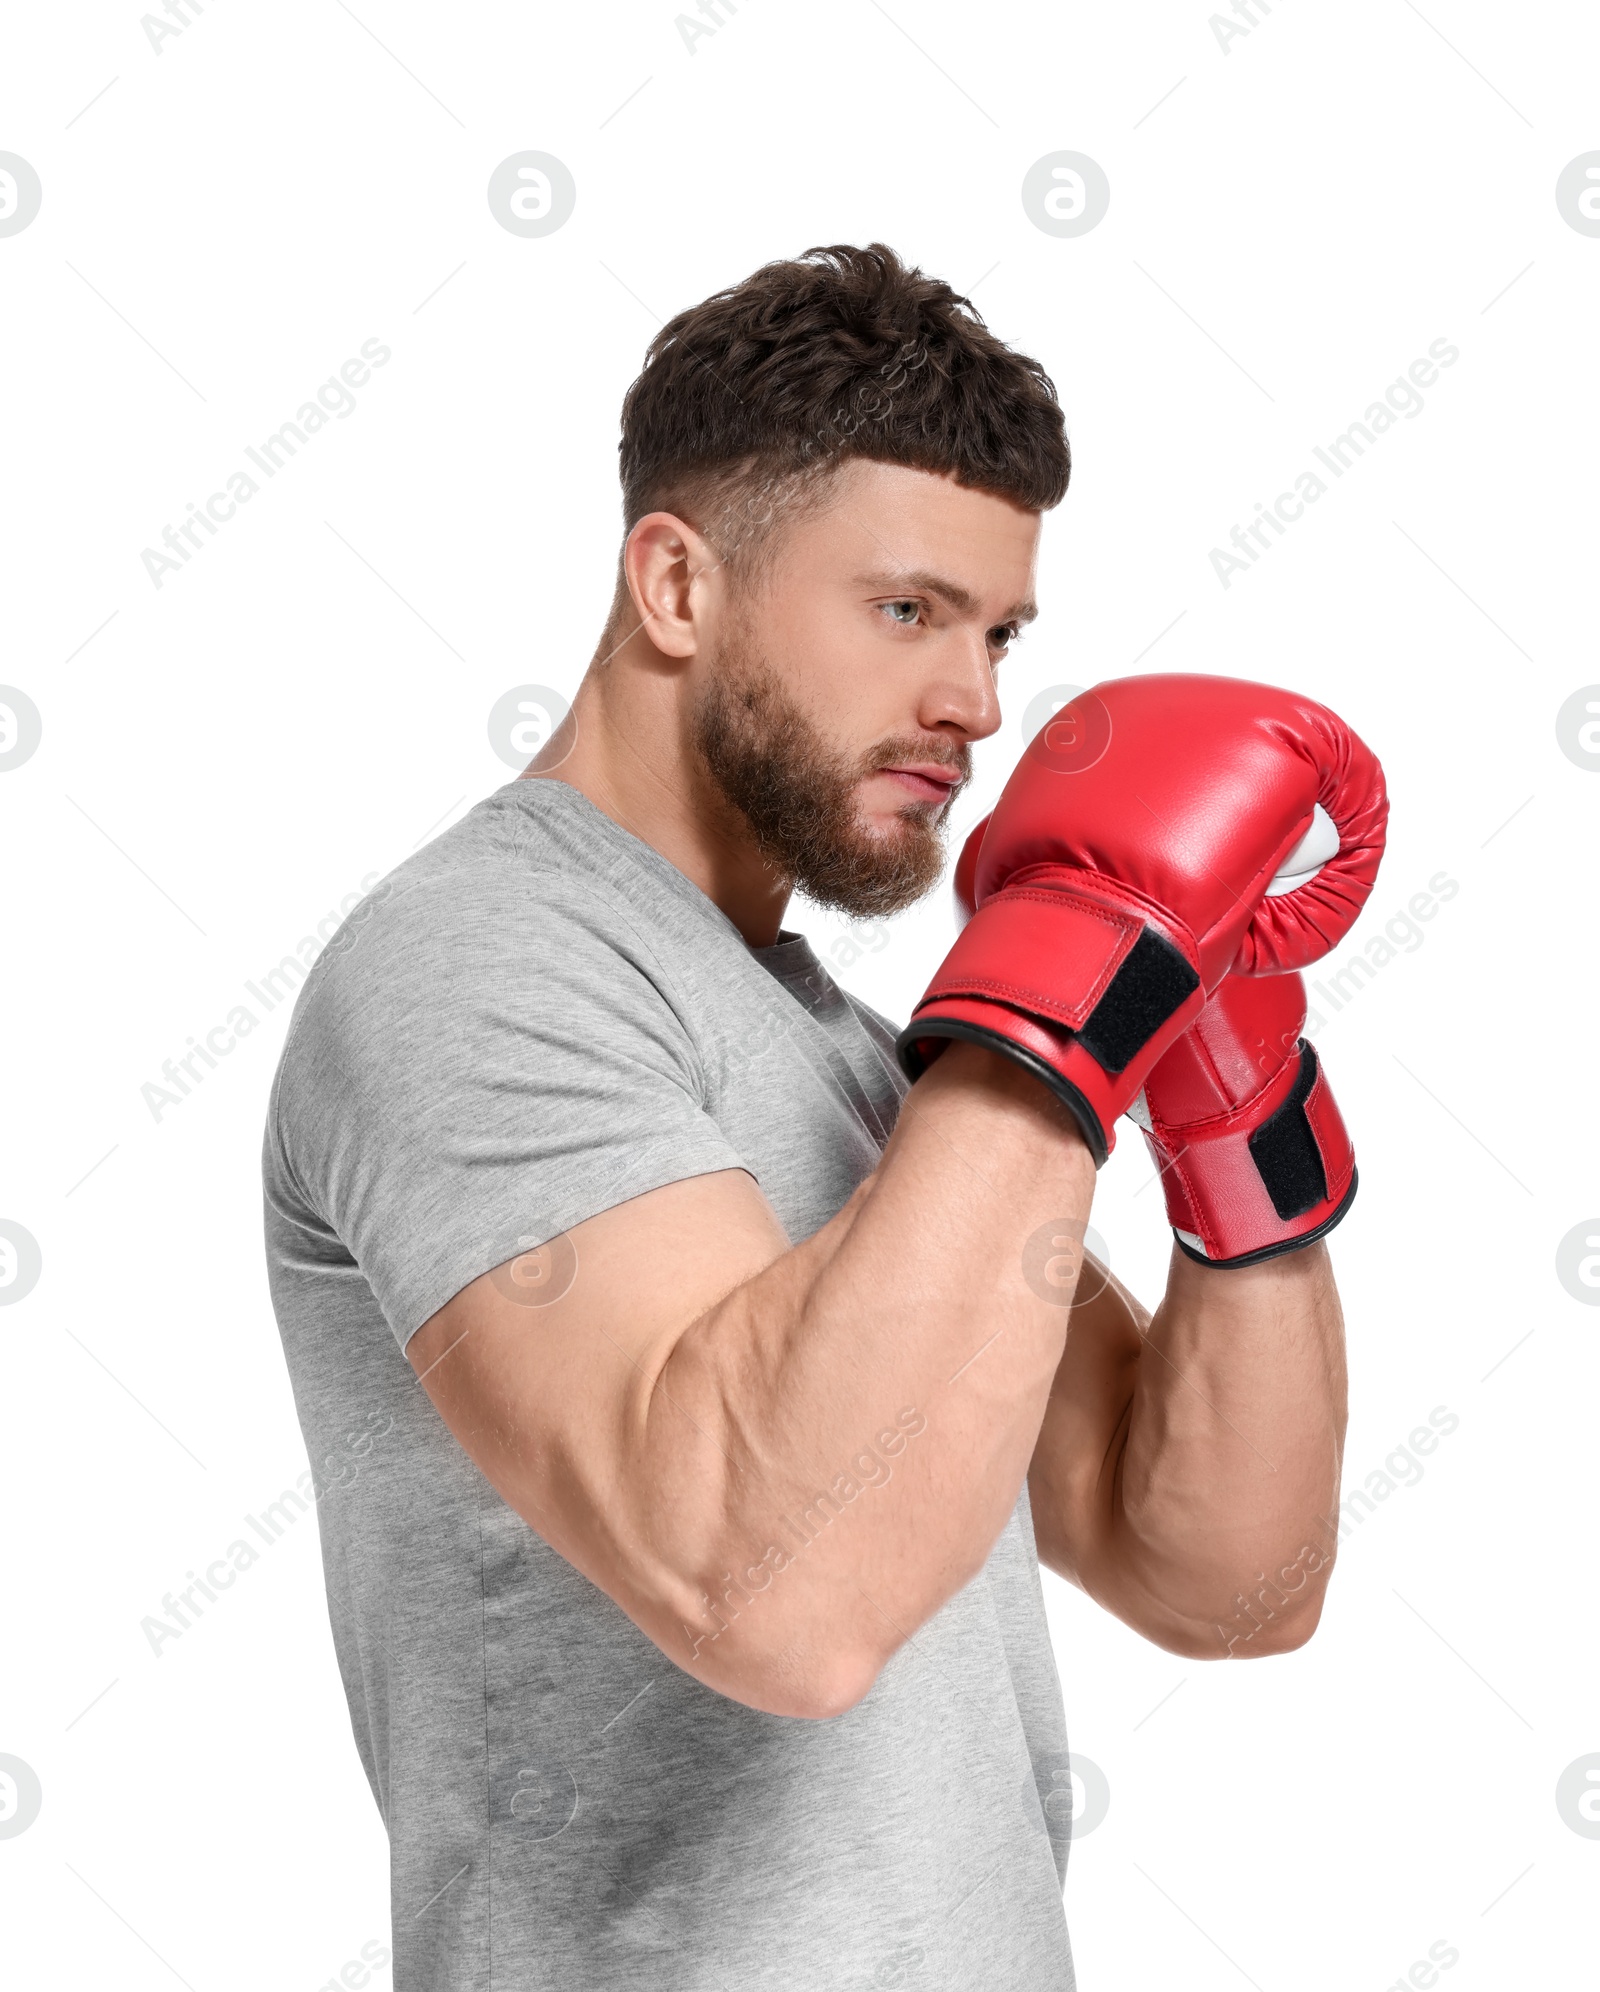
[896, 862]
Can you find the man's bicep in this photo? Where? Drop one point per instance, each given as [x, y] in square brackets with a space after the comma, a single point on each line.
[543, 1369]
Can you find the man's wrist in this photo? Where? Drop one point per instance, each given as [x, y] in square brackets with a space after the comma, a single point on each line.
[1003, 1083]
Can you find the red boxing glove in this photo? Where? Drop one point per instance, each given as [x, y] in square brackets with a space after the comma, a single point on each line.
[1237, 1115]
[1125, 869]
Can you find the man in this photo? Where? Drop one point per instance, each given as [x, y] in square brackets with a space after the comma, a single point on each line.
[689, 1612]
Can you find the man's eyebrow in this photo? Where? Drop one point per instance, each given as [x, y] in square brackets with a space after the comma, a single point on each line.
[921, 580]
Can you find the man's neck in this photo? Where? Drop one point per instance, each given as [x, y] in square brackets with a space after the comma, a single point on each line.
[624, 745]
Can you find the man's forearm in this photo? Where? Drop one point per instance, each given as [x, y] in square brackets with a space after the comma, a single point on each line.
[910, 1319]
[1219, 1439]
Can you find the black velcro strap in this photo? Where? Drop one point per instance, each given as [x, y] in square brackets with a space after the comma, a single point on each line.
[1153, 981]
[1285, 1150]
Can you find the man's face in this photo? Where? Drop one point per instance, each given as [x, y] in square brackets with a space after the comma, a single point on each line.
[838, 700]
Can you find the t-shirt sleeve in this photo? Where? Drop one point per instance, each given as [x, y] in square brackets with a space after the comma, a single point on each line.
[488, 1063]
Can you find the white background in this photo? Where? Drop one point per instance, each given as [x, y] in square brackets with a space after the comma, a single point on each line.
[1293, 220]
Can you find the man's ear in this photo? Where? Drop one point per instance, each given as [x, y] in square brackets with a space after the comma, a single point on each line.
[663, 559]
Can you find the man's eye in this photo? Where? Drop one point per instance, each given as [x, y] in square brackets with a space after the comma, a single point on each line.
[914, 608]
[1006, 634]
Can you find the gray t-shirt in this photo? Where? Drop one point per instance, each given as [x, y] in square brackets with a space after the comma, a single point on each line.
[533, 1019]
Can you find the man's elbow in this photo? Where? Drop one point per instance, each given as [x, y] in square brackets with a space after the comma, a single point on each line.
[1241, 1631]
[794, 1680]
[1261, 1634]
[816, 1694]
[842, 1691]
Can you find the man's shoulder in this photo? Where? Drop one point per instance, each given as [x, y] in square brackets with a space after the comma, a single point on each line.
[497, 976]
[506, 871]
[526, 909]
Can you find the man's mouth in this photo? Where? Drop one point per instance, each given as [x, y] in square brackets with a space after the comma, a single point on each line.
[926, 780]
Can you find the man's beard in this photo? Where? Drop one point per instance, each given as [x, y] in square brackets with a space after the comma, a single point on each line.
[797, 794]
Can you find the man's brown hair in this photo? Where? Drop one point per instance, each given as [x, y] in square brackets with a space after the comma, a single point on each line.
[748, 402]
